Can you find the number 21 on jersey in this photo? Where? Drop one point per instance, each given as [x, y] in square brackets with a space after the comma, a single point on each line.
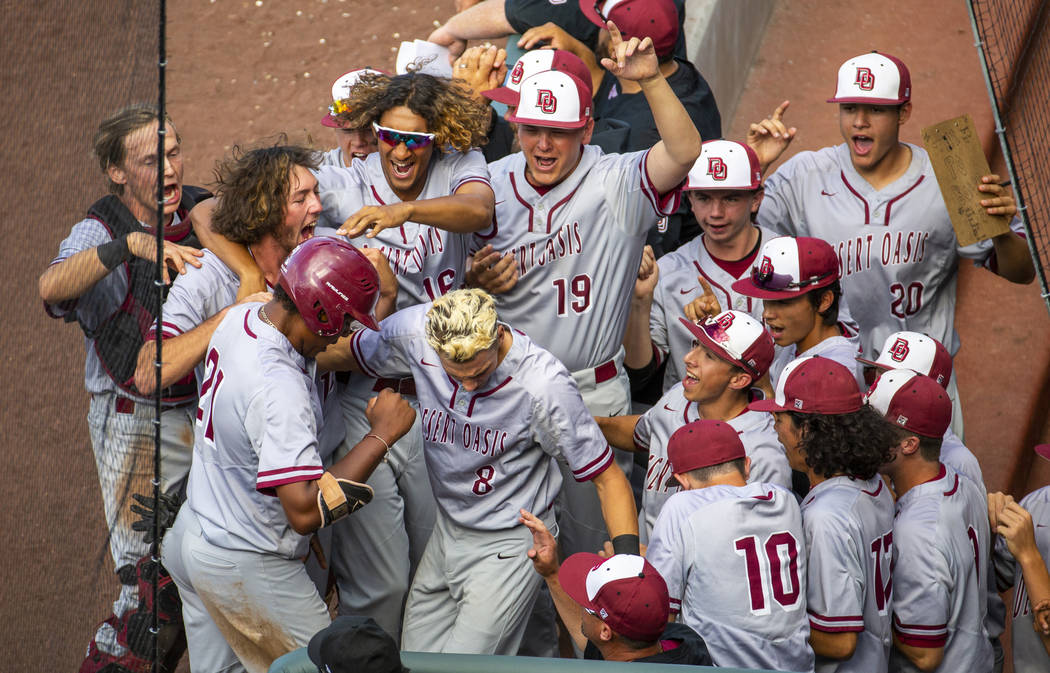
[212, 380]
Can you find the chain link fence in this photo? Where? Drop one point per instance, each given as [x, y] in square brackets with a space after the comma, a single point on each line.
[1013, 41]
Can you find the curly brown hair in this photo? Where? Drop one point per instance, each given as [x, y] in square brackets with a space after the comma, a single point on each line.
[853, 444]
[457, 122]
[253, 187]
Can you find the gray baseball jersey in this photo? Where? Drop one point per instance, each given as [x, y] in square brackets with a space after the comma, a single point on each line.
[201, 293]
[940, 548]
[577, 248]
[849, 537]
[734, 558]
[489, 452]
[1029, 654]
[678, 287]
[654, 428]
[427, 261]
[897, 250]
[842, 349]
[257, 424]
[333, 157]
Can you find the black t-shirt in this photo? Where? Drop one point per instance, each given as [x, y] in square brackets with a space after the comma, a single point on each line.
[525, 14]
[682, 645]
[688, 85]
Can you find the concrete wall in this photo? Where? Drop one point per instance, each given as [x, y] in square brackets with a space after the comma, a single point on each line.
[723, 38]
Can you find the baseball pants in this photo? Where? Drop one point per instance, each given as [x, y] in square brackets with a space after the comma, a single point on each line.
[376, 551]
[579, 510]
[241, 609]
[473, 590]
[122, 440]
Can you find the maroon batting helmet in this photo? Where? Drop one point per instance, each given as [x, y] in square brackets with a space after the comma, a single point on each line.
[327, 279]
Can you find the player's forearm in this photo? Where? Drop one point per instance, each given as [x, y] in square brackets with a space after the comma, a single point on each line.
[617, 500]
[637, 343]
[233, 255]
[72, 277]
[1036, 576]
[1013, 260]
[569, 611]
[458, 213]
[618, 430]
[485, 20]
[671, 158]
[833, 645]
[363, 458]
[338, 357]
[925, 658]
[181, 355]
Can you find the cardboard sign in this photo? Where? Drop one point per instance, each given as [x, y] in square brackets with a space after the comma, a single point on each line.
[959, 162]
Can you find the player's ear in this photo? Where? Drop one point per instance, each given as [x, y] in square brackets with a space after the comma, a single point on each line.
[588, 130]
[605, 633]
[904, 114]
[909, 445]
[756, 200]
[740, 381]
[747, 467]
[827, 298]
[116, 174]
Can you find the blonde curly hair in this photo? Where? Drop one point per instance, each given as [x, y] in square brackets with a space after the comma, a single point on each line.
[461, 324]
[457, 122]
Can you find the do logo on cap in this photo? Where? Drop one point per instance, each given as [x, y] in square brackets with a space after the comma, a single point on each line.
[865, 79]
[716, 168]
[546, 101]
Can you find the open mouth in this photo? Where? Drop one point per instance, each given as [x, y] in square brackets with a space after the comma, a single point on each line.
[545, 163]
[401, 170]
[862, 145]
[776, 332]
[307, 232]
[690, 381]
[359, 155]
[172, 194]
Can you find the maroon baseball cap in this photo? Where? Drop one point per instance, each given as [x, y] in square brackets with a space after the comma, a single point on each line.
[814, 385]
[790, 266]
[737, 338]
[624, 591]
[656, 19]
[535, 61]
[703, 443]
[916, 351]
[913, 401]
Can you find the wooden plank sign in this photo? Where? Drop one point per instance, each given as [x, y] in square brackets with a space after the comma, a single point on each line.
[959, 162]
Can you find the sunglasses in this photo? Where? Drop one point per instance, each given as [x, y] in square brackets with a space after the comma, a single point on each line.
[393, 137]
[769, 280]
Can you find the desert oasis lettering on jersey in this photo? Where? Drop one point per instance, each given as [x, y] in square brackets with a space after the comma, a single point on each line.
[564, 242]
[429, 242]
[439, 427]
[894, 249]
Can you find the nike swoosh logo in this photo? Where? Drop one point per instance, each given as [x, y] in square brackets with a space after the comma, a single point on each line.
[686, 291]
[668, 408]
[498, 202]
[823, 193]
[504, 555]
[424, 362]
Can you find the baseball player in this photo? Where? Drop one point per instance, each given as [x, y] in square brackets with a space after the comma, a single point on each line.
[351, 142]
[940, 535]
[929, 357]
[877, 202]
[724, 189]
[733, 554]
[797, 279]
[102, 278]
[730, 352]
[574, 222]
[839, 443]
[257, 487]
[496, 412]
[1022, 530]
[620, 603]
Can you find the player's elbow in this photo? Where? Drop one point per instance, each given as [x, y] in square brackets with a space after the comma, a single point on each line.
[926, 659]
[838, 646]
[145, 372]
[49, 290]
[479, 211]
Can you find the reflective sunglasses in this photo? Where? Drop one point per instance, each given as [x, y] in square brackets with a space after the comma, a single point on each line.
[769, 280]
[393, 137]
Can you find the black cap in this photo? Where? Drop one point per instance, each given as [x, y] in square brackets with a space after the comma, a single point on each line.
[355, 644]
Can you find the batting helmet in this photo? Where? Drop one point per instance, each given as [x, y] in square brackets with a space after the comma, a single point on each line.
[328, 278]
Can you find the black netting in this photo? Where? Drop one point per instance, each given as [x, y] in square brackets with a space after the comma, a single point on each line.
[64, 66]
[1014, 37]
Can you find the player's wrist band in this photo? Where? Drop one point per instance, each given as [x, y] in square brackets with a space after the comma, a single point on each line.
[381, 440]
[114, 252]
[626, 544]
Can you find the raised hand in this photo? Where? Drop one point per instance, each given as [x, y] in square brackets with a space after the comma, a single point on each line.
[634, 59]
[770, 136]
[703, 306]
